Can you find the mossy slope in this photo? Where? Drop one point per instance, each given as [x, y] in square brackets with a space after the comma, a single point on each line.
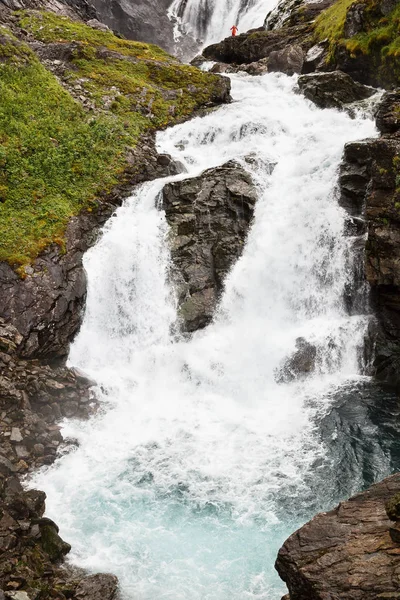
[55, 156]
[376, 43]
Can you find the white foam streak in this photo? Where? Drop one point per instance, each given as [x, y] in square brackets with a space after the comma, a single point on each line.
[179, 487]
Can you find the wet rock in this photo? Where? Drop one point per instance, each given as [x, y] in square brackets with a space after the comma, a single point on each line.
[142, 20]
[289, 60]
[46, 307]
[388, 115]
[301, 363]
[332, 90]
[51, 542]
[97, 587]
[346, 553]
[209, 217]
[252, 47]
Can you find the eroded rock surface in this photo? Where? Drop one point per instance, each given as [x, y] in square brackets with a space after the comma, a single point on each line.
[33, 398]
[370, 192]
[46, 306]
[347, 553]
[333, 90]
[209, 218]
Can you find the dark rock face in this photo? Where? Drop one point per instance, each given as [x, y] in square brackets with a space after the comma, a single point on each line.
[46, 307]
[209, 218]
[287, 47]
[332, 90]
[347, 553]
[142, 20]
[33, 397]
[370, 192]
[301, 363]
[388, 115]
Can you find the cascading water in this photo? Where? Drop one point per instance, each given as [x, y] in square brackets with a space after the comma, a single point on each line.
[201, 463]
[207, 21]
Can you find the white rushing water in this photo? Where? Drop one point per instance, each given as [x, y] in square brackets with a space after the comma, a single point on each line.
[201, 463]
[208, 21]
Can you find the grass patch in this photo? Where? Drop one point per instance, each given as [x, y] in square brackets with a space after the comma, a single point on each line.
[381, 34]
[55, 156]
[379, 39]
[330, 23]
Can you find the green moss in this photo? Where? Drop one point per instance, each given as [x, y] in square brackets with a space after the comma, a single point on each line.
[379, 39]
[56, 157]
[330, 23]
[382, 34]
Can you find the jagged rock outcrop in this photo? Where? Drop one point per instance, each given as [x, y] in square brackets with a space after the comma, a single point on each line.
[209, 217]
[370, 192]
[283, 49]
[301, 363]
[45, 300]
[33, 398]
[347, 553]
[142, 20]
[46, 305]
[70, 8]
[333, 90]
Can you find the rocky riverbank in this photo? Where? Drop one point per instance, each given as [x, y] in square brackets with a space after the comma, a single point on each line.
[95, 101]
[351, 552]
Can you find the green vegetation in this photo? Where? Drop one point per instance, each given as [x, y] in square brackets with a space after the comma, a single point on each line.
[380, 37]
[330, 23]
[382, 34]
[55, 156]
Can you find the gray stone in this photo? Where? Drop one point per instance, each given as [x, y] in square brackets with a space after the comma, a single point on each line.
[301, 363]
[97, 587]
[346, 553]
[333, 90]
[209, 217]
[17, 596]
[289, 60]
[6, 466]
[95, 24]
[16, 435]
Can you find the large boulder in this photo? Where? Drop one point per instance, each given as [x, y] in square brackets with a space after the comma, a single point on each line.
[333, 90]
[209, 217]
[347, 553]
[97, 587]
[251, 47]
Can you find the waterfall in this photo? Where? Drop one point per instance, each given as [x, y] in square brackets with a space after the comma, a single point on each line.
[207, 21]
[200, 462]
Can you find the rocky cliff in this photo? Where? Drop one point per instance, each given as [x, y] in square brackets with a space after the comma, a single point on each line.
[370, 192]
[358, 38]
[78, 111]
[209, 217]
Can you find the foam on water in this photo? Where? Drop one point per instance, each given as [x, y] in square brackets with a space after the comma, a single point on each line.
[201, 463]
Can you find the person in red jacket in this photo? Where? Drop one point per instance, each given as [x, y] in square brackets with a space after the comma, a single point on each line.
[234, 30]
